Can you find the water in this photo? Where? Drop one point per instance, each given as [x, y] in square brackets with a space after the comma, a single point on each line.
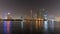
[7, 27]
[18, 27]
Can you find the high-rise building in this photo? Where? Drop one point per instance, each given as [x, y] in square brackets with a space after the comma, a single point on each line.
[40, 13]
[9, 16]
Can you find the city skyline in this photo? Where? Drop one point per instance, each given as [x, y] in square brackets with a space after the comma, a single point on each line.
[23, 7]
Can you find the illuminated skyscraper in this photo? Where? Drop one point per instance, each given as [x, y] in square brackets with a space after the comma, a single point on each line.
[46, 15]
[40, 13]
[9, 16]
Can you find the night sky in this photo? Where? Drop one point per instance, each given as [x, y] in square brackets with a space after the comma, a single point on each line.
[19, 8]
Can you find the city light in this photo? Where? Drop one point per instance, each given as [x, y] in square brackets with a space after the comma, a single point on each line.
[8, 13]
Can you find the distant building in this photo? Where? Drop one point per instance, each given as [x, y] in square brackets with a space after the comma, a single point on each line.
[9, 16]
[40, 13]
[57, 18]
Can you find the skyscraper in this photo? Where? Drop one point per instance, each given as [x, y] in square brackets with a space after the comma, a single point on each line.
[40, 13]
[9, 16]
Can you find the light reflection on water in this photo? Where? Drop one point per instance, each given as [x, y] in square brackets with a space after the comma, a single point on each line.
[45, 25]
[48, 26]
[22, 25]
[7, 27]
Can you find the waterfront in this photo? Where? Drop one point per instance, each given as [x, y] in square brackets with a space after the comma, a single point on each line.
[18, 27]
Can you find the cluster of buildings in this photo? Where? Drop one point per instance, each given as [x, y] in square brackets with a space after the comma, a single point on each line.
[31, 22]
[38, 22]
